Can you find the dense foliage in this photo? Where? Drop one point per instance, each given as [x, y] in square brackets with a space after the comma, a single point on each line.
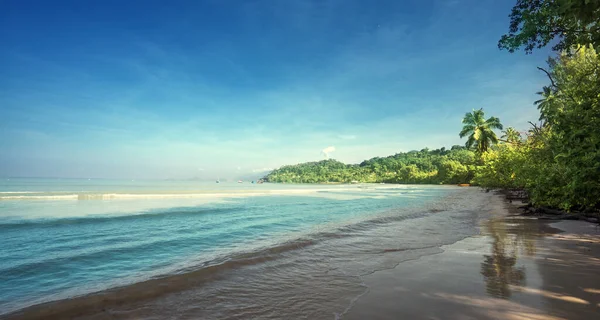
[436, 166]
[535, 23]
[559, 162]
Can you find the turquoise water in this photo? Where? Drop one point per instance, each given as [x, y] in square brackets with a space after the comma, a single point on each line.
[65, 238]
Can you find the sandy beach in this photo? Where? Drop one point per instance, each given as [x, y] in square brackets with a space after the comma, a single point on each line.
[518, 268]
[512, 268]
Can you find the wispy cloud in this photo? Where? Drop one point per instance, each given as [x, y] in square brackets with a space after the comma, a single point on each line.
[371, 82]
[327, 151]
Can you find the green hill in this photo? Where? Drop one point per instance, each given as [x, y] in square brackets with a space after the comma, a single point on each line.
[438, 166]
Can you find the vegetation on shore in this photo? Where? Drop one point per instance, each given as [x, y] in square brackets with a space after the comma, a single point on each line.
[556, 161]
[426, 166]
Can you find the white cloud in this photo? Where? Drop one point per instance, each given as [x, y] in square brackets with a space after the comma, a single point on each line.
[327, 151]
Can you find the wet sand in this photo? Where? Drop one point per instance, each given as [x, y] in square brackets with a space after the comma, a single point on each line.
[518, 268]
[515, 268]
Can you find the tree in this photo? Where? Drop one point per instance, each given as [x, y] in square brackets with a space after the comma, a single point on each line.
[480, 131]
[505, 166]
[511, 135]
[535, 23]
[452, 172]
[545, 103]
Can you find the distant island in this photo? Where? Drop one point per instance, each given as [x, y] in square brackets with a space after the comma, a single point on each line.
[440, 166]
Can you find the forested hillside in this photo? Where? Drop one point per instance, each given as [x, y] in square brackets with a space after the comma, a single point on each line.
[452, 166]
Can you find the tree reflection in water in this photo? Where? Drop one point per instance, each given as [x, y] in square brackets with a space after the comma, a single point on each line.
[500, 268]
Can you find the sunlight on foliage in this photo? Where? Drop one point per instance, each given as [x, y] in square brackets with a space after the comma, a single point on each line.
[479, 131]
[559, 163]
[425, 166]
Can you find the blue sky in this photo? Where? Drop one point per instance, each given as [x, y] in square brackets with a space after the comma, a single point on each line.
[178, 89]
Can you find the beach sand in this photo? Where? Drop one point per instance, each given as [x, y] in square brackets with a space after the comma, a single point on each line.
[518, 268]
[515, 268]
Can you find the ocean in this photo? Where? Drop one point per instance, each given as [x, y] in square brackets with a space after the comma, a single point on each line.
[220, 251]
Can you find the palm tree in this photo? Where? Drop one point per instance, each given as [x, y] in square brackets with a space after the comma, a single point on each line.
[545, 103]
[479, 130]
[511, 135]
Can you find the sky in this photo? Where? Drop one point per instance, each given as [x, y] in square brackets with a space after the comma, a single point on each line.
[183, 89]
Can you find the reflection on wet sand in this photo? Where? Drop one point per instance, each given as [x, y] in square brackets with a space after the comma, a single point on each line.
[517, 269]
[510, 239]
[564, 262]
[570, 267]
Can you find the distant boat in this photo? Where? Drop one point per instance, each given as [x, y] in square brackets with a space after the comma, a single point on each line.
[252, 181]
[218, 181]
[240, 181]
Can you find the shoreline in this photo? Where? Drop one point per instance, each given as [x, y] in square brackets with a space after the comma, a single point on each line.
[302, 189]
[525, 208]
[486, 276]
[96, 302]
[518, 268]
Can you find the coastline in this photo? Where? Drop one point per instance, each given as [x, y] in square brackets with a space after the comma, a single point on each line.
[515, 268]
[198, 193]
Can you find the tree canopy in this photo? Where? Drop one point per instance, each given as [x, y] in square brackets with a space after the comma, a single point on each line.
[425, 166]
[559, 162]
[536, 23]
[511, 135]
[480, 131]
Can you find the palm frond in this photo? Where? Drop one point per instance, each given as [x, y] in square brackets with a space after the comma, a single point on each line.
[493, 138]
[478, 115]
[469, 119]
[494, 123]
[468, 129]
